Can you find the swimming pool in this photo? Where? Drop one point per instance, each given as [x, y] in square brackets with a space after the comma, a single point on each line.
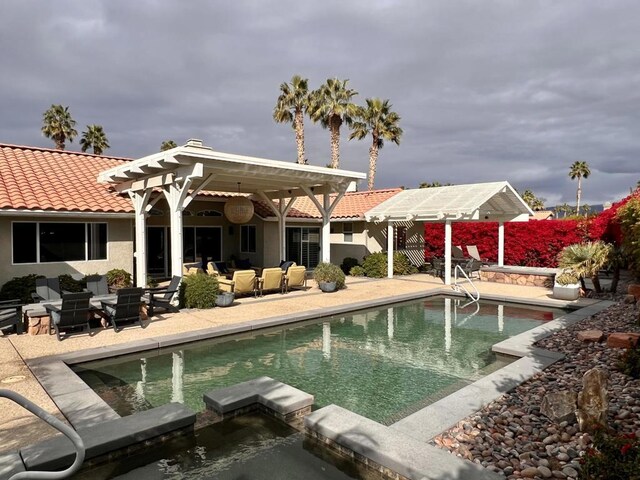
[383, 363]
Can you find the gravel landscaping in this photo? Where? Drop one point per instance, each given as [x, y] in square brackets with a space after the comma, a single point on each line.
[511, 436]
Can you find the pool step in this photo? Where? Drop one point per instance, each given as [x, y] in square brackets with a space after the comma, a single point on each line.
[264, 394]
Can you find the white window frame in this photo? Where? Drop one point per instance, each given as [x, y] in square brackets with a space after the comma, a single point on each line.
[86, 243]
[255, 229]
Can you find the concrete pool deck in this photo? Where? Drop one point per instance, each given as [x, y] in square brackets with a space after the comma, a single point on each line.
[18, 428]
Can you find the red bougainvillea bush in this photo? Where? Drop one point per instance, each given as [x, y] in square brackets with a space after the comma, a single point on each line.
[535, 243]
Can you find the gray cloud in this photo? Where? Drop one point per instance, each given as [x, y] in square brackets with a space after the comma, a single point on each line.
[487, 90]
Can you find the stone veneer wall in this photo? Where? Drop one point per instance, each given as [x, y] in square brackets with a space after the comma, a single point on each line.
[523, 279]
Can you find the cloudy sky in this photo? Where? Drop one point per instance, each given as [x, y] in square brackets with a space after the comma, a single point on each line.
[487, 90]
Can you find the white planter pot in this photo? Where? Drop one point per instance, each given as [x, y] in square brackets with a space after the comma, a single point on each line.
[566, 292]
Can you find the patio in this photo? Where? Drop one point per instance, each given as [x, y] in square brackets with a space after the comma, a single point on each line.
[18, 428]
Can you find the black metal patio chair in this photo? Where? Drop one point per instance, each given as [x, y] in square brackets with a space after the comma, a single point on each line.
[125, 309]
[74, 313]
[11, 315]
[161, 297]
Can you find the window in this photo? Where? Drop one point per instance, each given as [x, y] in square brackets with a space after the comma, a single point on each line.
[248, 238]
[41, 242]
[347, 231]
[202, 244]
[401, 238]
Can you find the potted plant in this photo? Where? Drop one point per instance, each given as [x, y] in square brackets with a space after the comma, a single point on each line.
[566, 286]
[329, 277]
[224, 299]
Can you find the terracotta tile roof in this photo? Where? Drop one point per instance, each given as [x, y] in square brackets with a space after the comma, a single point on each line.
[352, 205]
[542, 215]
[44, 179]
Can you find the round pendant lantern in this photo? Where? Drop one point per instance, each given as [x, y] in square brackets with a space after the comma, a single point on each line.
[238, 210]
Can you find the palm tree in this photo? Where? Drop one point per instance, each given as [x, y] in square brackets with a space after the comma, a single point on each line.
[58, 125]
[434, 184]
[331, 106]
[536, 203]
[378, 120]
[291, 105]
[579, 170]
[94, 137]
[586, 260]
[167, 145]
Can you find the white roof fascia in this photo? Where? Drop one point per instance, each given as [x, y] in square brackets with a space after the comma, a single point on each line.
[63, 214]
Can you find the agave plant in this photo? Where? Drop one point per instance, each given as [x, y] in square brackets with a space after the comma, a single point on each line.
[586, 260]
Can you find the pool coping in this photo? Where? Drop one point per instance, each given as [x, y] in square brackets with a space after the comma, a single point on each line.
[84, 408]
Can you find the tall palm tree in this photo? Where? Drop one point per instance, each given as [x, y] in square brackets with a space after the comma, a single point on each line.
[579, 170]
[331, 106]
[58, 125]
[167, 145]
[94, 137]
[291, 106]
[530, 198]
[378, 120]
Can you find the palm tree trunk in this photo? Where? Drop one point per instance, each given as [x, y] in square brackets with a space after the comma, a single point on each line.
[615, 279]
[595, 279]
[578, 195]
[299, 126]
[373, 161]
[335, 123]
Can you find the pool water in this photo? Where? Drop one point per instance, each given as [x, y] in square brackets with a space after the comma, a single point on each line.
[382, 363]
[252, 446]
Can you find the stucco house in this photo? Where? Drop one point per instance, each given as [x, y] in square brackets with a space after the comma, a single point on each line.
[56, 217]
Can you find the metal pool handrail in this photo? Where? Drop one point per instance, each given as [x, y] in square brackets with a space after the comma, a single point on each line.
[457, 287]
[69, 432]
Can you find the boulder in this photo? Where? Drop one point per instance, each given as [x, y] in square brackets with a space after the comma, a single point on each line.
[590, 335]
[629, 299]
[593, 400]
[559, 406]
[623, 340]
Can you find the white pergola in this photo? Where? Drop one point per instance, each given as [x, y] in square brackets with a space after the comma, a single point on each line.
[181, 173]
[478, 202]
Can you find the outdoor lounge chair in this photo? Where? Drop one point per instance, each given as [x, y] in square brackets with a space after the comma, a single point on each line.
[473, 252]
[161, 297]
[125, 309]
[47, 289]
[75, 312]
[243, 281]
[11, 315]
[296, 277]
[97, 284]
[471, 267]
[271, 279]
[457, 253]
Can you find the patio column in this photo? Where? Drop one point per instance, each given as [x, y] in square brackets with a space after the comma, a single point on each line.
[281, 210]
[326, 228]
[176, 195]
[389, 249]
[140, 199]
[501, 244]
[447, 252]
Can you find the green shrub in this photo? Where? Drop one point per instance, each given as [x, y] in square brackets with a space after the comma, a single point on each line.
[70, 284]
[200, 290]
[151, 282]
[629, 218]
[375, 265]
[567, 277]
[20, 287]
[328, 272]
[586, 260]
[357, 271]
[348, 263]
[613, 457]
[118, 278]
[402, 265]
[629, 362]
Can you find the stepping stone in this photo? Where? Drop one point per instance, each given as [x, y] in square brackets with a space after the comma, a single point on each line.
[623, 340]
[590, 335]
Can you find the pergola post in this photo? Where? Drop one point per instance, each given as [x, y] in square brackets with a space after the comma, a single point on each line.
[326, 229]
[447, 252]
[140, 201]
[389, 249]
[281, 210]
[501, 244]
[176, 195]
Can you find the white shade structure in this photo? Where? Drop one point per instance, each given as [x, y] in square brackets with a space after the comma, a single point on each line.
[183, 172]
[484, 202]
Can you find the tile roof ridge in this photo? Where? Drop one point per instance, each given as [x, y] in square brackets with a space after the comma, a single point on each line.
[55, 150]
[380, 190]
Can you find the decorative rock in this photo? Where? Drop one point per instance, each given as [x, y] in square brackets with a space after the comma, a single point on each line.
[570, 471]
[593, 400]
[558, 474]
[544, 471]
[634, 289]
[590, 335]
[623, 340]
[559, 406]
[529, 472]
[628, 299]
